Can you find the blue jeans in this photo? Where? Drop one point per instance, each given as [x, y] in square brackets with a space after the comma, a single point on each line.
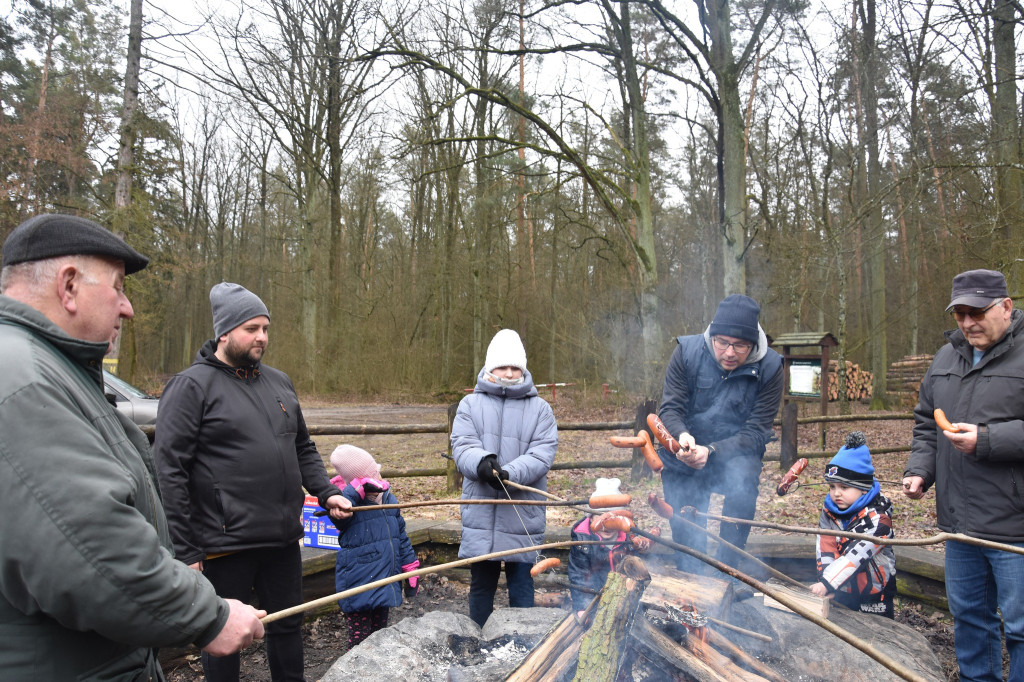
[483, 583]
[737, 479]
[978, 580]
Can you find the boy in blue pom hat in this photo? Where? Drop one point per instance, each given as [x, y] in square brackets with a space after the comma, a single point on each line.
[860, 574]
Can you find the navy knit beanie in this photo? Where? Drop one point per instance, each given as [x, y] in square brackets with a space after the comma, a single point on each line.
[737, 317]
[852, 465]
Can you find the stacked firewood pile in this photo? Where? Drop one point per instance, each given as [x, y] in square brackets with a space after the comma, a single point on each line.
[858, 381]
[904, 377]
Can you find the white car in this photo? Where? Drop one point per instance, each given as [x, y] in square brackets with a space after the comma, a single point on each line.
[133, 402]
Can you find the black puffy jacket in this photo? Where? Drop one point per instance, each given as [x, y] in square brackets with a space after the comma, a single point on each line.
[978, 494]
[233, 454]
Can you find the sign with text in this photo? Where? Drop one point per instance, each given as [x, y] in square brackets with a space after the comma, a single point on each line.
[805, 377]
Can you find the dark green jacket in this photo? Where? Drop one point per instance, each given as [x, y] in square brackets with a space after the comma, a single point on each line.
[88, 585]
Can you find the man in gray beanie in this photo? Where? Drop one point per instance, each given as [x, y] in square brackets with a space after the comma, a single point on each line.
[90, 587]
[722, 391]
[233, 455]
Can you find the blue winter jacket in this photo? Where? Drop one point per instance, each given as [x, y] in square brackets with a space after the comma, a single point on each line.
[372, 546]
[518, 426]
[733, 410]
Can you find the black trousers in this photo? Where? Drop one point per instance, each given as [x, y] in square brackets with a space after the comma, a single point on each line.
[275, 575]
[483, 583]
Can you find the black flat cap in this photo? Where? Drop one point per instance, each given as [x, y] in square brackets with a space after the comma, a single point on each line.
[52, 234]
[977, 288]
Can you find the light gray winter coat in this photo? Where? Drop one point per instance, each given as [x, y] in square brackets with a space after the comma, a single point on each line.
[518, 426]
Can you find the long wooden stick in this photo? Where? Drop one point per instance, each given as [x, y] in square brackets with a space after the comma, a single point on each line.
[851, 639]
[904, 542]
[738, 550]
[323, 601]
[434, 503]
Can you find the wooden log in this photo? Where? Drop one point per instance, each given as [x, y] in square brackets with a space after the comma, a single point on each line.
[742, 658]
[658, 645]
[545, 660]
[805, 598]
[604, 644]
[685, 591]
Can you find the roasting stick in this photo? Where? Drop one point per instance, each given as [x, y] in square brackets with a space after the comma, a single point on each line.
[904, 542]
[589, 509]
[433, 503]
[664, 510]
[324, 601]
[792, 604]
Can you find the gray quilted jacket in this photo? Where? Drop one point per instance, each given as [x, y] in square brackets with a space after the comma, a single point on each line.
[518, 426]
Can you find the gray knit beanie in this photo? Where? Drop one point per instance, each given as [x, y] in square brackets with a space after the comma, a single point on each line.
[233, 304]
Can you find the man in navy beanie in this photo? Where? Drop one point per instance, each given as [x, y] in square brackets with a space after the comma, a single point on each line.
[722, 391]
[233, 455]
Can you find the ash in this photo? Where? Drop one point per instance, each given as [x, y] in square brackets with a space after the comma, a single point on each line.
[447, 647]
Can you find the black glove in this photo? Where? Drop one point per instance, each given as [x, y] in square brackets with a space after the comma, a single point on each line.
[490, 473]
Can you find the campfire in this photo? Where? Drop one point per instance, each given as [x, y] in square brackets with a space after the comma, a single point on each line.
[657, 627]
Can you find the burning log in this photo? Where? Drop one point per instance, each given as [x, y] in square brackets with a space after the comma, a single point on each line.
[694, 657]
[555, 656]
[602, 648]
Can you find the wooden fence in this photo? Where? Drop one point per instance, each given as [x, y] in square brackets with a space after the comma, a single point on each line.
[789, 423]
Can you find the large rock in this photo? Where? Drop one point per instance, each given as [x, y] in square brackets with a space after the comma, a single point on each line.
[421, 648]
[803, 650]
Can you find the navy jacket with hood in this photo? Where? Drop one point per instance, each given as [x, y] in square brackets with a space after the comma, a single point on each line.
[372, 546]
[733, 410]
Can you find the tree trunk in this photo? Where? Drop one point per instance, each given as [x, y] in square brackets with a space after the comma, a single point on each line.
[1006, 133]
[125, 156]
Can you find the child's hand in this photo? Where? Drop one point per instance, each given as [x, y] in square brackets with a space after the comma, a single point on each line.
[819, 589]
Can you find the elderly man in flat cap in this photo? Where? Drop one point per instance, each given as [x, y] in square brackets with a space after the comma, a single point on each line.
[977, 380]
[89, 587]
[233, 455]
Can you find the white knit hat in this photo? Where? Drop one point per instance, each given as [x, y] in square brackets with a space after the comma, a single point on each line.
[506, 350]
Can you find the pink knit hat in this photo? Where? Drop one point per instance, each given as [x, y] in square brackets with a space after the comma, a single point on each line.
[351, 463]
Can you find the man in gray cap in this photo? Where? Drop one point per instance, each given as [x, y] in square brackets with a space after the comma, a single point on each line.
[233, 454]
[89, 586]
[977, 380]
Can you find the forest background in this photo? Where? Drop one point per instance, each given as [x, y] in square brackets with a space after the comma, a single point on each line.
[399, 180]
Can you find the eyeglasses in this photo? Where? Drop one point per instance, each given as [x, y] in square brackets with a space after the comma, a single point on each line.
[976, 314]
[738, 346]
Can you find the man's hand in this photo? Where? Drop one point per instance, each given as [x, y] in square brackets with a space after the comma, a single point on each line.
[242, 628]
[913, 487]
[338, 507]
[686, 442]
[819, 589]
[695, 458]
[965, 440]
[197, 565]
